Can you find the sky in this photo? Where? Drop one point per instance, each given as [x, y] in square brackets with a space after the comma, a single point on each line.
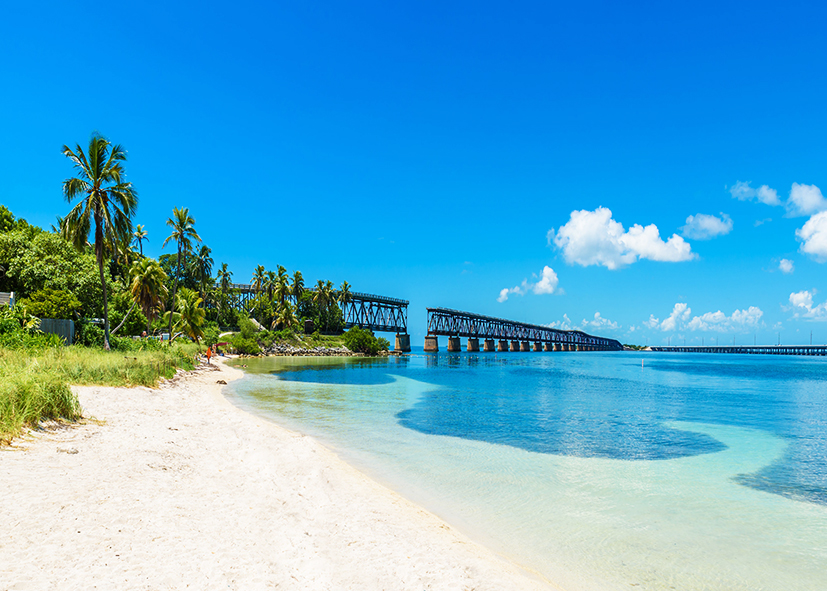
[651, 172]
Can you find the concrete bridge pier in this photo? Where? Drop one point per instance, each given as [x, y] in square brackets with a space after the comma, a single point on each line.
[403, 343]
[502, 346]
[431, 344]
[488, 345]
[547, 347]
[454, 344]
[538, 346]
[525, 346]
[473, 344]
[514, 346]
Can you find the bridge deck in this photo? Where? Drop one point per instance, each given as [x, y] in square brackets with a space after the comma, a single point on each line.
[819, 350]
[448, 322]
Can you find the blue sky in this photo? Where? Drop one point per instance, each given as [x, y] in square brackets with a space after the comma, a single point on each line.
[439, 152]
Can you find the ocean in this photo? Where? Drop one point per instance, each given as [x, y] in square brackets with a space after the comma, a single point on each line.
[596, 470]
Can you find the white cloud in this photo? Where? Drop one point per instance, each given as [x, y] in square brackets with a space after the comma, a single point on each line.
[802, 305]
[813, 236]
[704, 226]
[652, 322]
[679, 319]
[761, 222]
[594, 238]
[679, 313]
[805, 200]
[786, 266]
[598, 322]
[546, 283]
[764, 194]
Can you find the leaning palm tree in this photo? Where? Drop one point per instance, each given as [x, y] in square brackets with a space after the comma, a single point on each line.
[148, 287]
[192, 313]
[202, 268]
[106, 200]
[139, 235]
[183, 232]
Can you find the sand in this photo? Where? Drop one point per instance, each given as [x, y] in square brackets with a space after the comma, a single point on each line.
[175, 488]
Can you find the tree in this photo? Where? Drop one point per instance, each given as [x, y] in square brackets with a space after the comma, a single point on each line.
[282, 285]
[270, 284]
[148, 287]
[183, 232]
[52, 303]
[259, 278]
[345, 295]
[298, 287]
[286, 318]
[106, 200]
[139, 235]
[202, 268]
[192, 315]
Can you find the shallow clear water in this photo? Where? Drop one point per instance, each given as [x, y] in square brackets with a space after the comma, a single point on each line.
[689, 472]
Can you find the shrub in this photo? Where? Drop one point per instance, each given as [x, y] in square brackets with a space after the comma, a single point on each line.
[52, 303]
[362, 341]
[245, 346]
[247, 328]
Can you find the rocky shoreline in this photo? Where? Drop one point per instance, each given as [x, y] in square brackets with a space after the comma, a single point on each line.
[285, 350]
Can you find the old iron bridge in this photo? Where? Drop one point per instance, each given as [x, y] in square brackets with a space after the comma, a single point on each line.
[510, 335]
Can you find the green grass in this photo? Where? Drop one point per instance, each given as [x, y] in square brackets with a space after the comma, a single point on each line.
[34, 385]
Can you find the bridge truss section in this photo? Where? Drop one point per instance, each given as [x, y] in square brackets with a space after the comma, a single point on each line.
[376, 313]
[454, 323]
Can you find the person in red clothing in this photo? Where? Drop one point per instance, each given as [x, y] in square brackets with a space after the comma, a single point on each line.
[209, 354]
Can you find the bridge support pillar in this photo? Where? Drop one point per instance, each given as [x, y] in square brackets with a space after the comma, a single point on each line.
[538, 346]
[558, 347]
[525, 346]
[454, 344]
[473, 344]
[403, 343]
[548, 347]
[488, 345]
[515, 346]
[502, 346]
[431, 344]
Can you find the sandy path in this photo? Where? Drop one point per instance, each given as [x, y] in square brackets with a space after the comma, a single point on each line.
[178, 489]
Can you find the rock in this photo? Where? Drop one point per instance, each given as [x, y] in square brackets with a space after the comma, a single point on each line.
[67, 450]
[221, 382]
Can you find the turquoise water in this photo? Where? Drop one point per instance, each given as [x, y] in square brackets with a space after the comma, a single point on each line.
[687, 472]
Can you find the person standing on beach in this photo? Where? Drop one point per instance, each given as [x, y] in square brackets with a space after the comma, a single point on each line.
[209, 354]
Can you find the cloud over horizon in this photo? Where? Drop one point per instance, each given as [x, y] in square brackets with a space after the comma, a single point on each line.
[594, 238]
[547, 283]
[802, 306]
[681, 319]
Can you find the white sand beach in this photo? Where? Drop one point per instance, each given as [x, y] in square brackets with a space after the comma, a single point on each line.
[175, 488]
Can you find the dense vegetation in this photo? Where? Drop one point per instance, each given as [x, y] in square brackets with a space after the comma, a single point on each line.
[90, 268]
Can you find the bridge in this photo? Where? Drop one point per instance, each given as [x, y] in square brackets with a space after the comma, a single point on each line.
[510, 335]
[819, 350]
[372, 312]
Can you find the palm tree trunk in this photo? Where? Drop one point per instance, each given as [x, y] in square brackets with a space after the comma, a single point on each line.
[175, 290]
[105, 307]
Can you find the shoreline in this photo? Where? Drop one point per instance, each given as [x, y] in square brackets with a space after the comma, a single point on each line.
[175, 487]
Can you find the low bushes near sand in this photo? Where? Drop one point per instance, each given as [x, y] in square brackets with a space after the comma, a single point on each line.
[35, 377]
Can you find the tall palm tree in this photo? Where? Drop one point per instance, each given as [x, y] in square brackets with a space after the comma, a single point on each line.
[345, 295]
[224, 278]
[148, 287]
[282, 285]
[183, 232]
[286, 318]
[106, 200]
[139, 235]
[298, 287]
[202, 268]
[259, 278]
[270, 284]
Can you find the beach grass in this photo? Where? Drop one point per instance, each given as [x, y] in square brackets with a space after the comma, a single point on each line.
[34, 385]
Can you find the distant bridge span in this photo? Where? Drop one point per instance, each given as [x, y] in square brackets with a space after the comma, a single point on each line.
[818, 350]
[510, 335]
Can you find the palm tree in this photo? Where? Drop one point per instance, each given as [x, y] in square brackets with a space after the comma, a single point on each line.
[224, 277]
[344, 294]
[270, 284]
[183, 232]
[259, 278]
[286, 318]
[148, 287]
[192, 314]
[139, 235]
[282, 285]
[202, 268]
[298, 287]
[105, 199]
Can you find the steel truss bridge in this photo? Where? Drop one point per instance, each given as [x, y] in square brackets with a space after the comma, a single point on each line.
[372, 312]
[819, 350]
[455, 324]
